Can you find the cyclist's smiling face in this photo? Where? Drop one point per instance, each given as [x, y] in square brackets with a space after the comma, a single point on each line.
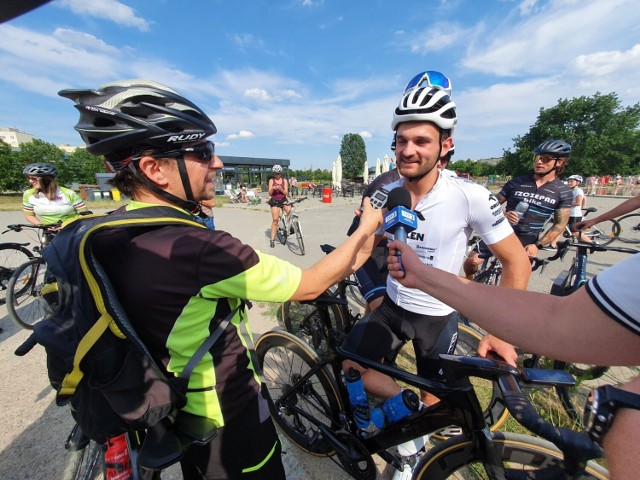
[418, 148]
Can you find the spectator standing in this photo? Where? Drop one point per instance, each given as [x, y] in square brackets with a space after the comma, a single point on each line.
[178, 281]
[293, 184]
[46, 202]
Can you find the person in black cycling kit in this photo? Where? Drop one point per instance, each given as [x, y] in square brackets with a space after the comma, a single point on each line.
[176, 282]
[545, 194]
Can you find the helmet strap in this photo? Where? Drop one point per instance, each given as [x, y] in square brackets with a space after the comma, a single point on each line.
[189, 205]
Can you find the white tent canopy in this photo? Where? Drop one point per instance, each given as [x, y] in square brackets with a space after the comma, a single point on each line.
[385, 164]
[377, 167]
[339, 171]
[365, 172]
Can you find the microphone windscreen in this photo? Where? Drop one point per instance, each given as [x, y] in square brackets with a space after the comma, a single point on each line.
[399, 197]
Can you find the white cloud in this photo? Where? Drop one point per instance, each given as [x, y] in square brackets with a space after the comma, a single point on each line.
[112, 10]
[240, 134]
[85, 41]
[365, 134]
[258, 94]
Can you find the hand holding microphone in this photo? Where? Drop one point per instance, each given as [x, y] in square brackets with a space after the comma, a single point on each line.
[400, 220]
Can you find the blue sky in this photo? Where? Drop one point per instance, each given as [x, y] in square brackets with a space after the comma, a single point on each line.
[287, 79]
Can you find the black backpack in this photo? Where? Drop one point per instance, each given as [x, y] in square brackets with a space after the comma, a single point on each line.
[95, 359]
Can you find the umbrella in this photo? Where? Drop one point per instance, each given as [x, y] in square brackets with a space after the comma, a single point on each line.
[333, 174]
[385, 164]
[339, 171]
[365, 173]
[377, 167]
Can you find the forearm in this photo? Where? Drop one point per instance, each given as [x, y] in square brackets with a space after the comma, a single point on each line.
[622, 209]
[32, 219]
[332, 268]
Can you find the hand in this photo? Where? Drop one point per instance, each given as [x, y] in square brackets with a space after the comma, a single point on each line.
[512, 217]
[582, 225]
[410, 270]
[531, 250]
[489, 343]
[371, 218]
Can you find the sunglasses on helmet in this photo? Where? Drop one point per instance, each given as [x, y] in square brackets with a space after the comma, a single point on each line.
[430, 78]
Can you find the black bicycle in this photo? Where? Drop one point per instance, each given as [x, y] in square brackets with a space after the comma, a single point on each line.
[290, 225]
[629, 228]
[310, 403]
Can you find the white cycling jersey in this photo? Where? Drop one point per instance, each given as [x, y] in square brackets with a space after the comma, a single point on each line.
[618, 297]
[446, 217]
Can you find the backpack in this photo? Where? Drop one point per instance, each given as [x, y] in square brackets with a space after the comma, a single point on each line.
[95, 360]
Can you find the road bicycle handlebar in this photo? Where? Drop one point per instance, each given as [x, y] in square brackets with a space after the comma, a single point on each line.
[290, 203]
[576, 446]
[564, 246]
[18, 227]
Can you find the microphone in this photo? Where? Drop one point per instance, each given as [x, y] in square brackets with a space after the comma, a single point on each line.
[400, 220]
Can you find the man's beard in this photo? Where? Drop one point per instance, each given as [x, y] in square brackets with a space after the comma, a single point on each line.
[419, 176]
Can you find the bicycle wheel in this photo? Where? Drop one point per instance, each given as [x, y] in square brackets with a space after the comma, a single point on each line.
[629, 228]
[304, 320]
[295, 223]
[11, 257]
[284, 360]
[282, 232]
[488, 392]
[587, 377]
[602, 233]
[85, 462]
[31, 296]
[458, 458]
[353, 291]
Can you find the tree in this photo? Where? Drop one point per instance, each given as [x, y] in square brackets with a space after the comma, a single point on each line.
[11, 178]
[80, 166]
[354, 155]
[604, 137]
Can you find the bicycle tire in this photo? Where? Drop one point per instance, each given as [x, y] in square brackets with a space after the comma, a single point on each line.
[284, 358]
[281, 232]
[493, 406]
[295, 222]
[30, 295]
[629, 228]
[84, 464]
[603, 233]
[353, 291]
[11, 257]
[304, 320]
[587, 377]
[458, 458]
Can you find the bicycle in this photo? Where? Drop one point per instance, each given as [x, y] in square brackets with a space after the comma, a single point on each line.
[290, 225]
[12, 255]
[310, 403]
[602, 233]
[567, 282]
[629, 228]
[31, 294]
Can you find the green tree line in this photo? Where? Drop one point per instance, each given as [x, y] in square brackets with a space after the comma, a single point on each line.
[79, 166]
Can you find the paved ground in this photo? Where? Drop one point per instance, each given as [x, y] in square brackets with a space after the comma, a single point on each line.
[31, 445]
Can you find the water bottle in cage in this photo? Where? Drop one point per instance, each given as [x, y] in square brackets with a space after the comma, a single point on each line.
[358, 400]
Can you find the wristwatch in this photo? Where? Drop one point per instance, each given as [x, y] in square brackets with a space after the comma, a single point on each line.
[601, 407]
[539, 246]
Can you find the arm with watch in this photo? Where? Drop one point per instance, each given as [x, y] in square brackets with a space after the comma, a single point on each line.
[560, 220]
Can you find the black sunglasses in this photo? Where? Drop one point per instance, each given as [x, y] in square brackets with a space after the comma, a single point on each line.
[204, 151]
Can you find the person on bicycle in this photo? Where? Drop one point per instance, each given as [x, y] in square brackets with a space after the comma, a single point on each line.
[278, 191]
[605, 313]
[447, 210]
[46, 202]
[176, 282]
[545, 194]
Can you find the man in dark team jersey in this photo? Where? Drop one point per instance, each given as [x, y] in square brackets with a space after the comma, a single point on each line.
[178, 282]
[545, 195]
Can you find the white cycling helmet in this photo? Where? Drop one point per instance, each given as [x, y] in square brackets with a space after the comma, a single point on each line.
[426, 105]
[577, 178]
[277, 169]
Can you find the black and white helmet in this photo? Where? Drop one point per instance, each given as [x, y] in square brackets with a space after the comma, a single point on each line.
[277, 169]
[577, 178]
[40, 170]
[426, 104]
[134, 115]
[557, 148]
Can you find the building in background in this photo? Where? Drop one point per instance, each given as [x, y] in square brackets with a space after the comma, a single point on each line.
[14, 137]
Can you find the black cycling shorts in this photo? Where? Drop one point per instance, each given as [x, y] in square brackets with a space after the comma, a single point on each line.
[381, 334]
[246, 447]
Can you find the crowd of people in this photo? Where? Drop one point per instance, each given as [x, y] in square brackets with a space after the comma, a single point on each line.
[417, 302]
